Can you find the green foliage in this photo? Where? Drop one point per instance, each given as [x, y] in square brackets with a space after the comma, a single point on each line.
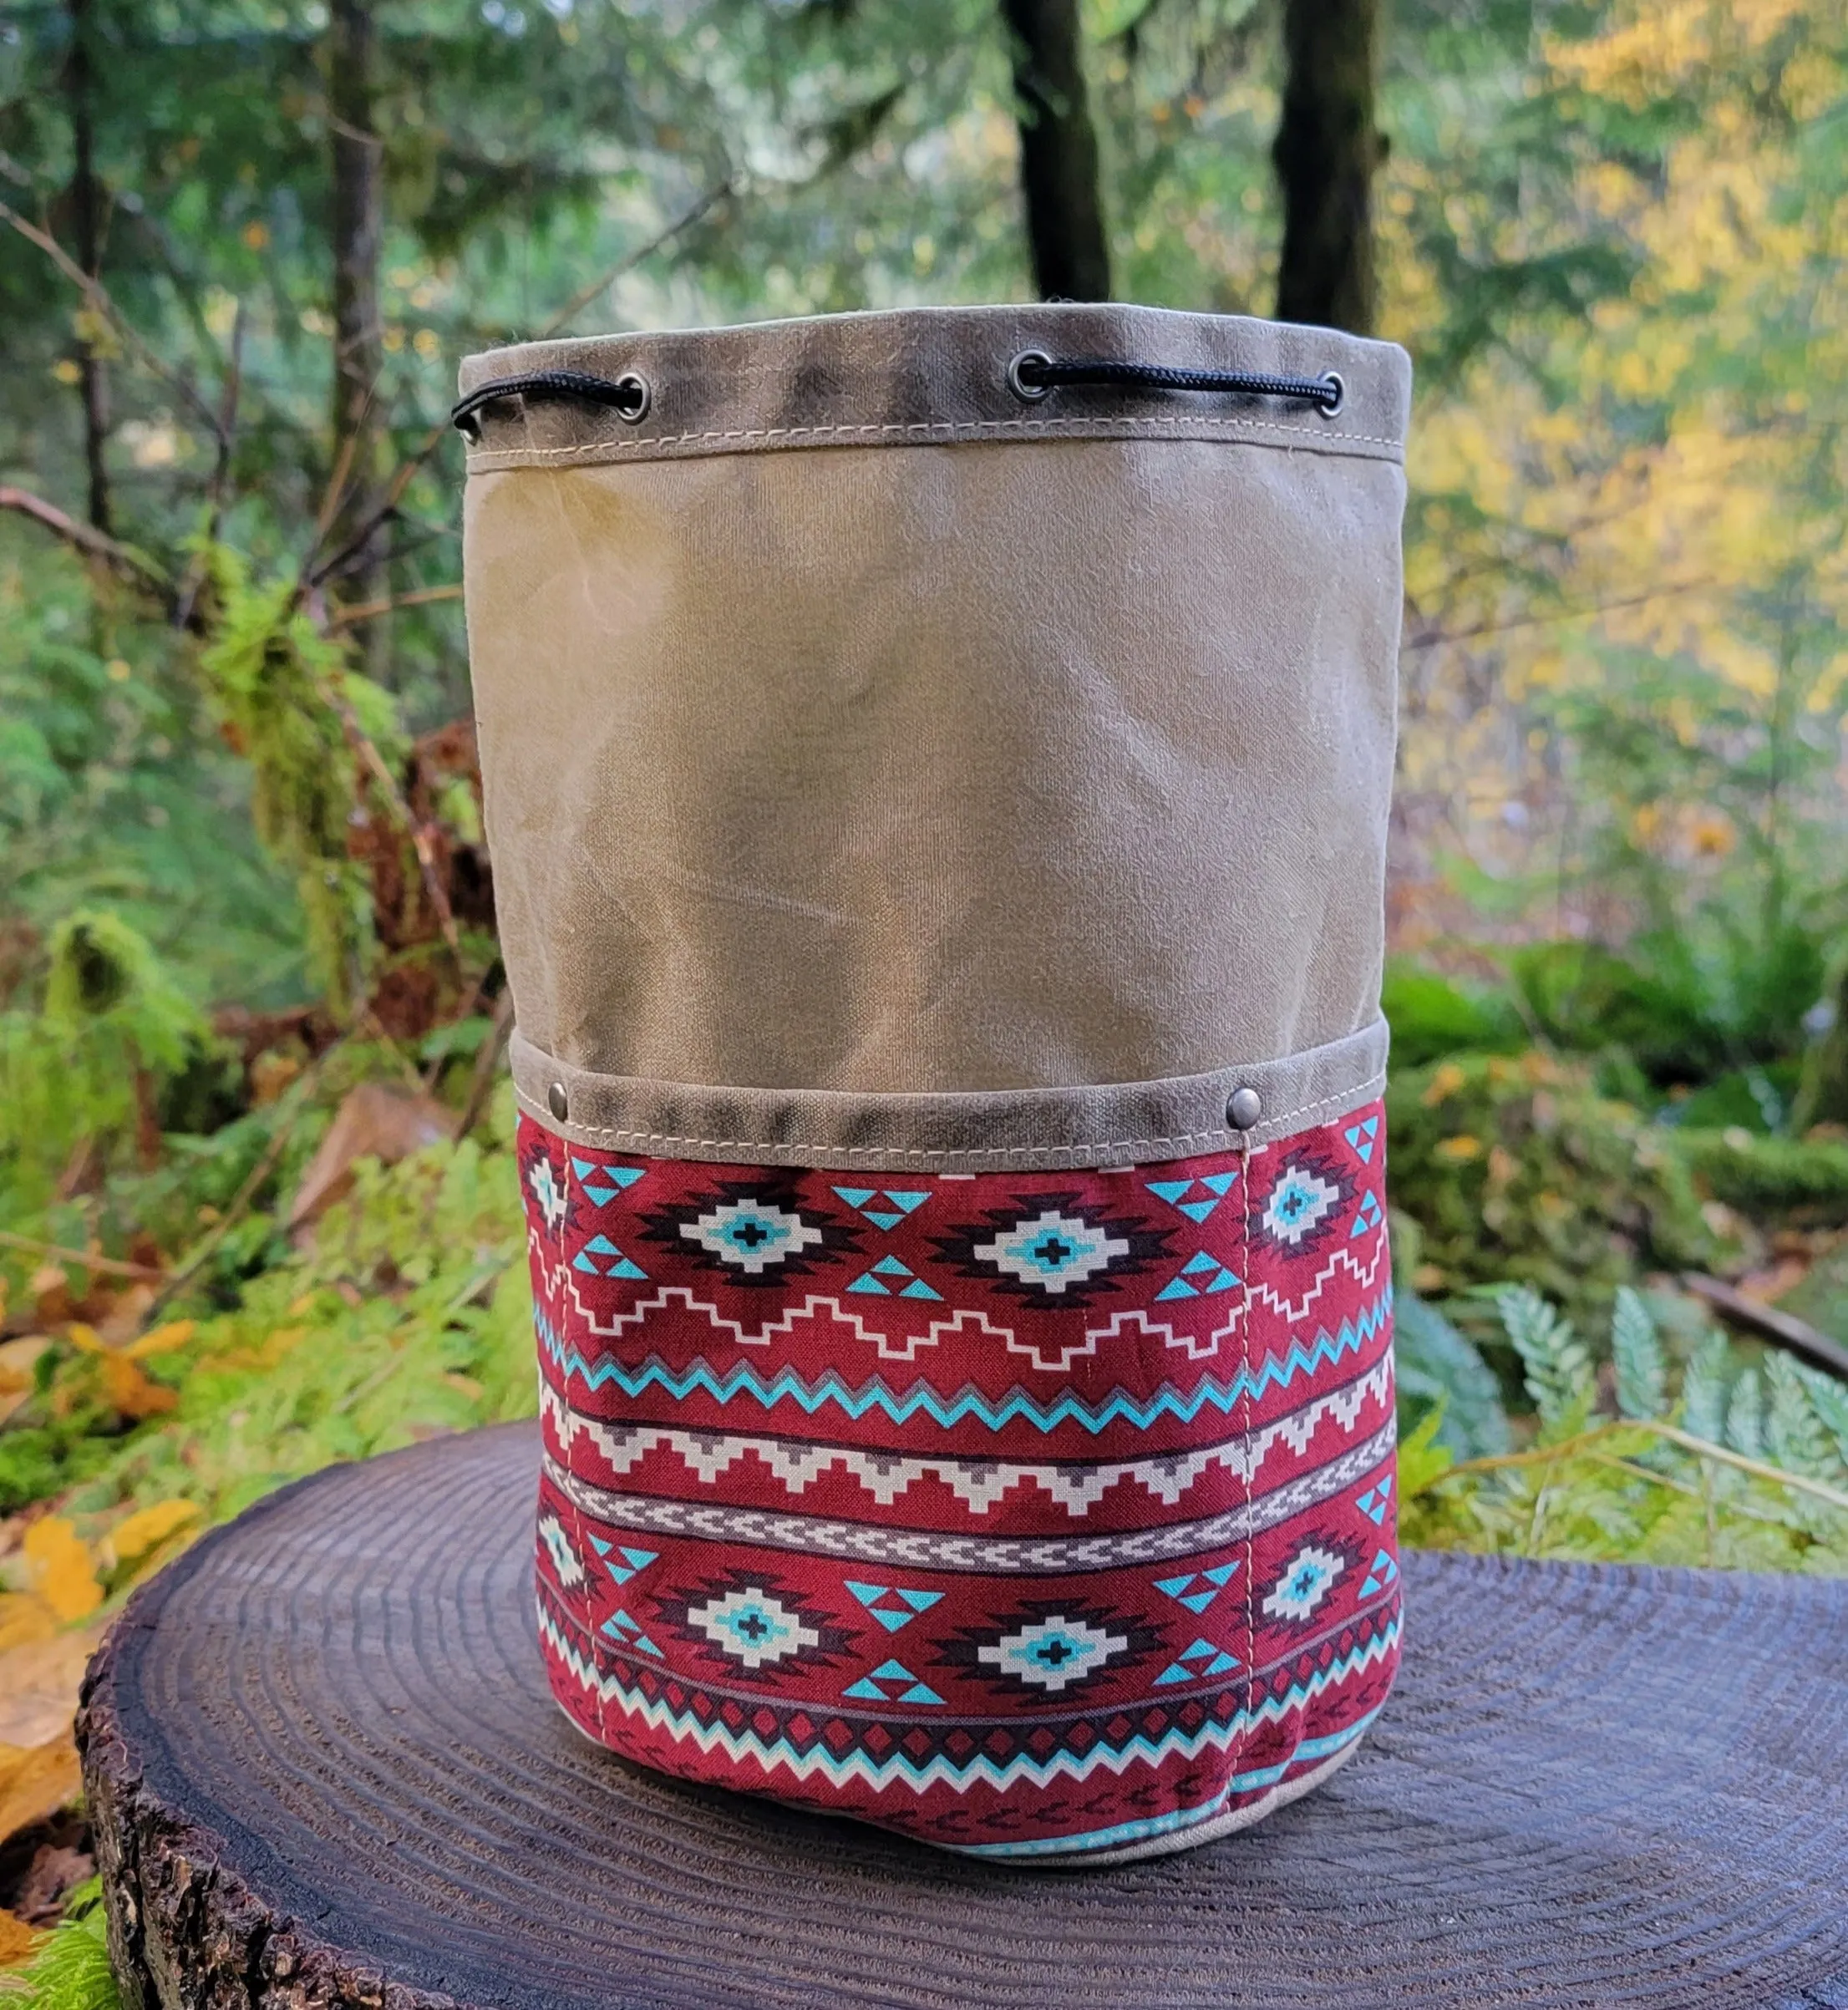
[1636, 1353]
[113, 1024]
[71, 1971]
[409, 1314]
[1704, 1389]
[1714, 1478]
[1516, 1169]
[1436, 1367]
[1433, 1018]
[1745, 1416]
[118, 792]
[273, 680]
[1560, 1375]
[1799, 1180]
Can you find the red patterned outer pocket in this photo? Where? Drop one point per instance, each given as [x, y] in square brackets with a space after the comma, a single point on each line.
[1041, 1516]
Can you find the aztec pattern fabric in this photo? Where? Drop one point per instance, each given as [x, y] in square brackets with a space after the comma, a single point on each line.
[1031, 1515]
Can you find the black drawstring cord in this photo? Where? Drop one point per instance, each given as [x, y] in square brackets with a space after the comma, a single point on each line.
[628, 395]
[1032, 374]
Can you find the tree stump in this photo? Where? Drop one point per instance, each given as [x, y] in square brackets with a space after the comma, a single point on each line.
[325, 1769]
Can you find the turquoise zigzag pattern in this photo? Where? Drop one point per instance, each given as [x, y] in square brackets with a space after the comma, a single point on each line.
[901, 1770]
[1016, 1407]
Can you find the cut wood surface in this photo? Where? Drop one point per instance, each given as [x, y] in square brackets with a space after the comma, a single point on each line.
[325, 1770]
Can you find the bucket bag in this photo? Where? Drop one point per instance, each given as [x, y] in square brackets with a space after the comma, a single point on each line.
[937, 771]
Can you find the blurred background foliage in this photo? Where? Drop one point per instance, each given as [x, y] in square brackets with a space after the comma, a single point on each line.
[255, 1205]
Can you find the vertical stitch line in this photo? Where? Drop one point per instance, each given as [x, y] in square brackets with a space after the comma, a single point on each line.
[585, 1554]
[1251, 1476]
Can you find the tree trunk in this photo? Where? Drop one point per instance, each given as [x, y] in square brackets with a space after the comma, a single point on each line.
[87, 205]
[358, 355]
[1059, 172]
[1327, 149]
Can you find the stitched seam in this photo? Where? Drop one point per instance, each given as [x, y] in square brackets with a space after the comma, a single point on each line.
[973, 429]
[1244, 1336]
[1349, 1100]
[585, 1554]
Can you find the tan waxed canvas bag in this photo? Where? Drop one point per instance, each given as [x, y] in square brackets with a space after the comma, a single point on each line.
[937, 766]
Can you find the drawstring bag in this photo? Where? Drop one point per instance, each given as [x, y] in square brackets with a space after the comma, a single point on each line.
[936, 770]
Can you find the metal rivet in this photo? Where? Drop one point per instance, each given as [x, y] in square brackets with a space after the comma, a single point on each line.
[1244, 1109]
[633, 398]
[557, 1102]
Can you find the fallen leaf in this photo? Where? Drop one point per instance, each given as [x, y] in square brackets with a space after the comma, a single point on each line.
[24, 1618]
[163, 1340]
[149, 1527]
[38, 1683]
[1445, 1081]
[18, 1358]
[84, 1338]
[18, 1942]
[130, 1392]
[63, 1574]
[35, 1784]
[372, 1122]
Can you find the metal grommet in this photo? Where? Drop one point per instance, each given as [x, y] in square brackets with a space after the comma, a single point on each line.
[1032, 392]
[1243, 1109]
[1338, 393]
[633, 398]
[557, 1102]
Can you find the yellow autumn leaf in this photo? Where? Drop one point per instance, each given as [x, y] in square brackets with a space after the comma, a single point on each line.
[24, 1618]
[1459, 1151]
[1446, 1081]
[130, 1391]
[150, 1526]
[62, 1572]
[163, 1340]
[84, 1338]
[36, 1783]
[18, 1942]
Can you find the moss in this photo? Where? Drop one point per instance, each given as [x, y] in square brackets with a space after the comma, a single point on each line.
[274, 682]
[1800, 1181]
[1516, 1170]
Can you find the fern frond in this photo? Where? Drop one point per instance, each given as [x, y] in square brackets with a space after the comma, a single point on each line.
[1745, 1416]
[1434, 1362]
[1704, 1389]
[1829, 1398]
[1556, 1363]
[1795, 1433]
[1642, 1373]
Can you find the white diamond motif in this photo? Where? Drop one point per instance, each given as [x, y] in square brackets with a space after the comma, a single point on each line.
[1053, 1250]
[1308, 1579]
[753, 1627]
[1053, 1652]
[751, 1235]
[1297, 1202]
